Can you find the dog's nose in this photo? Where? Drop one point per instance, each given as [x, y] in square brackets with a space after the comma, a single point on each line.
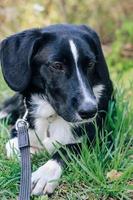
[87, 110]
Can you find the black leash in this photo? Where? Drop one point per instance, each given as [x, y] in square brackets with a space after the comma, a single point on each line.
[24, 146]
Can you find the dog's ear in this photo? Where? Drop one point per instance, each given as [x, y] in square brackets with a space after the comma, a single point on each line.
[101, 65]
[15, 55]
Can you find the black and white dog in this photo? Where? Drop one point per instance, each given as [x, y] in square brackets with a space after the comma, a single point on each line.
[61, 72]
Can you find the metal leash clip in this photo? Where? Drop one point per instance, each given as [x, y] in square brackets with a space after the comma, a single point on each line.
[22, 128]
[20, 123]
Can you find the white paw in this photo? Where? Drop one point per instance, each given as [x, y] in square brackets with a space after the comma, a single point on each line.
[45, 178]
[12, 148]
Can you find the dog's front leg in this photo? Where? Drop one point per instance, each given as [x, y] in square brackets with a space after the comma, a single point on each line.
[46, 178]
[12, 147]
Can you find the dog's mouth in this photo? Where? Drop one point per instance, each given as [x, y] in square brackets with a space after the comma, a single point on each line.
[79, 120]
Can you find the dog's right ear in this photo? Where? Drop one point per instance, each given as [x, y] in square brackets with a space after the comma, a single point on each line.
[15, 55]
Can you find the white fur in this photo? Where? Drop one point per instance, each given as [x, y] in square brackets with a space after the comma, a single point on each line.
[98, 89]
[49, 144]
[46, 178]
[74, 51]
[3, 114]
[41, 107]
[59, 130]
[12, 148]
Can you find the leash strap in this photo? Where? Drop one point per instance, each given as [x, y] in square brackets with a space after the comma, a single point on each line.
[24, 146]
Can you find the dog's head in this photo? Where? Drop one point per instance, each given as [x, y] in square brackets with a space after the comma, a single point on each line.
[65, 62]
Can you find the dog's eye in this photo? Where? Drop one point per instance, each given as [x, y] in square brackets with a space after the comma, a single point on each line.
[57, 66]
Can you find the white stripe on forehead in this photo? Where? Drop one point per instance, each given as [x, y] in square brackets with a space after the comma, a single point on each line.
[74, 51]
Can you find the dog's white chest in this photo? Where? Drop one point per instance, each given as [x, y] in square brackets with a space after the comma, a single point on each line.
[49, 127]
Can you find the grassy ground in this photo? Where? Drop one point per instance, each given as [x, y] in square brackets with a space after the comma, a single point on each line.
[103, 172]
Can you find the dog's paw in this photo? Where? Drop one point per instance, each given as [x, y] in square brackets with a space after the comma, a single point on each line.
[12, 148]
[46, 178]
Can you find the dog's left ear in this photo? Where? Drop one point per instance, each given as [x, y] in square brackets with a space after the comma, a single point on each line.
[15, 55]
[101, 65]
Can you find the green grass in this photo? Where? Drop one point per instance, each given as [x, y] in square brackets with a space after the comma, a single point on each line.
[86, 177]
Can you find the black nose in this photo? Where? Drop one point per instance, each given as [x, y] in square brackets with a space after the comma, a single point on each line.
[87, 110]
